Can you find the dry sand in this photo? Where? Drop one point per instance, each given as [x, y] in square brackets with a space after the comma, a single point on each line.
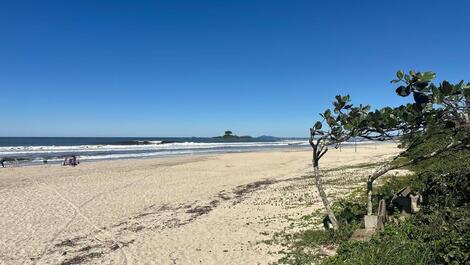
[213, 209]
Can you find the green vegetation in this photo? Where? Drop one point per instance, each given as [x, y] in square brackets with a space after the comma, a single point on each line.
[303, 247]
[228, 135]
[435, 132]
[435, 107]
[439, 234]
[393, 247]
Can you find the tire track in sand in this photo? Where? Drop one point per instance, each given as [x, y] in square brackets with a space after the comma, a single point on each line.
[77, 211]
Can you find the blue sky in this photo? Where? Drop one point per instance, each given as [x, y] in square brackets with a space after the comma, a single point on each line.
[197, 68]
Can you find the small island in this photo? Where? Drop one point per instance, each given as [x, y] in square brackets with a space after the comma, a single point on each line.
[230, 136]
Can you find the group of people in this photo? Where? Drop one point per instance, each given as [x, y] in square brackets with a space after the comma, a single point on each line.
[71, 161]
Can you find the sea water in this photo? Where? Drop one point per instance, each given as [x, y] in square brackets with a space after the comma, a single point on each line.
[30, 150]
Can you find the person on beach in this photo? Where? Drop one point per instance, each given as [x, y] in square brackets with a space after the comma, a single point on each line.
[2, 162]
[71, 161]
[75, 161]
[68, 161]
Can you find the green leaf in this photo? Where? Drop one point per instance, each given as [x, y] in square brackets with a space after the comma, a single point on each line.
[407, 78]
[420, 98]
[403, 91]
[421, 86]
[436, 94]
[338, 98]
[400, 75]
[427, 77]
[330, 121]
[466, 92]
[348, 127]
[318, 125]
[459, 86]
[446, 88]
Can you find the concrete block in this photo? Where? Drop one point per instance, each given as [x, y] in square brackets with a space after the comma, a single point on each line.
[370, 221]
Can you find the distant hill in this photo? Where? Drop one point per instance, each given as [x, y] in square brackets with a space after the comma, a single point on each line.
[267, 138]
[228, 135]
[233, 137]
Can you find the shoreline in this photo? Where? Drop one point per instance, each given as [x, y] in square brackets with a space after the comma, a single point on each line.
[208, 209]
[156, 157]
[27, 162]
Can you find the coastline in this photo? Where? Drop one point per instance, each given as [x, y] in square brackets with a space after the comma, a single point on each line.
[27, 151]
[18, 156]
[207, 209]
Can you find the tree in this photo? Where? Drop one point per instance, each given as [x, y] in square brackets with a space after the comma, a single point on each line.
[228, 133]
[435, 106]
[336, 132]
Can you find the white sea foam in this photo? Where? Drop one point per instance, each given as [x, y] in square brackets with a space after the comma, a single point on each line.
[156, 145]
[154, 149]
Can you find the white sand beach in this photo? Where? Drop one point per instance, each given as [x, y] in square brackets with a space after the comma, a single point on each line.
[208, 209]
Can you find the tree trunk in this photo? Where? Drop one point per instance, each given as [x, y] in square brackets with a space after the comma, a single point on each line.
[388, 166]
[321, 191]
[467, 110]
[369, 196]
[370, 181]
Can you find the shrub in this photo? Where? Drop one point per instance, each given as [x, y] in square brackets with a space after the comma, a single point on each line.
[393, 247]
[440, 233]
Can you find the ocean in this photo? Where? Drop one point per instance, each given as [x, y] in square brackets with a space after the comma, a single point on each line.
[35, 150]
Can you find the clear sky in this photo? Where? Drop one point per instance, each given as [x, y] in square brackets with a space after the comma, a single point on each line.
[198, 68]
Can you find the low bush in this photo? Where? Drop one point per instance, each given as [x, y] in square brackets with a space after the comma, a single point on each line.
[393, 247]
[440, 233]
